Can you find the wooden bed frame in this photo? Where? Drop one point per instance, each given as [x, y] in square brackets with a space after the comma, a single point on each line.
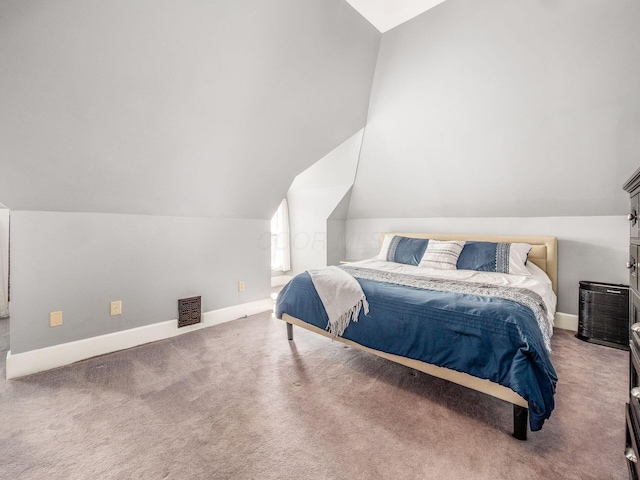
[543, 254]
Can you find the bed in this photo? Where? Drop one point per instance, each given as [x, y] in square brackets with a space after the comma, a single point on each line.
[486, 330]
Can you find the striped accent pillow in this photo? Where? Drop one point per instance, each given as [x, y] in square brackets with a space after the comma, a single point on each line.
[442, 254]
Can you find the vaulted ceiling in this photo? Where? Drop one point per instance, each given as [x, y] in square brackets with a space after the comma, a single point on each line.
[175, 108]
[212, 108]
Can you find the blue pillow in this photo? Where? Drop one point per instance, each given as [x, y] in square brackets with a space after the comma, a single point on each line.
[494, 257]
[480, 256]
[405, 250]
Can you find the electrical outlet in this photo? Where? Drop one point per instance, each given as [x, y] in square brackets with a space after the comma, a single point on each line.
[55, 319]
[241, 286]
[116, 308]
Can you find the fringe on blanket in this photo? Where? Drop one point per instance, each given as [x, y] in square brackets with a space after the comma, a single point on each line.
[337, 329]
[341, 295]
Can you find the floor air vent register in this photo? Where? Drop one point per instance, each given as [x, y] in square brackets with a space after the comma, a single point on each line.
[189, 311]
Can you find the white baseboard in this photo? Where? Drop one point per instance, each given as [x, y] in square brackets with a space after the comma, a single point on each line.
[34, 361]
[566, 321]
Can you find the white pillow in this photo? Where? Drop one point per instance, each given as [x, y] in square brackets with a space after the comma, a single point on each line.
[442, 254]
[385, 247]
[518, 253]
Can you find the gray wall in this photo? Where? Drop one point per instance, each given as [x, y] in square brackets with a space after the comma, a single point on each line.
[504, 118]
[4, 259]
[504, 109]
[80, 262]
[337, 232]
[589, 248]
[176, 128]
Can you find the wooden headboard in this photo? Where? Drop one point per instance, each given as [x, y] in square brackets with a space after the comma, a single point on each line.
[544, 251]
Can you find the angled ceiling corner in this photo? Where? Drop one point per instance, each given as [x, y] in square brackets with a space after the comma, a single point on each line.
[342, 208]
[387, 14]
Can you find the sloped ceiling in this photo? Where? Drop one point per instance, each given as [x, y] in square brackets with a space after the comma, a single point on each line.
[504, 109]
[175, 108]
[387, 14]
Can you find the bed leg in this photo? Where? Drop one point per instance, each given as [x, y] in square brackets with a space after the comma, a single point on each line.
[520, 420]
[289, 331]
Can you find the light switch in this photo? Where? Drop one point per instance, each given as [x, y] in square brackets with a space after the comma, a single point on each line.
[55, 319]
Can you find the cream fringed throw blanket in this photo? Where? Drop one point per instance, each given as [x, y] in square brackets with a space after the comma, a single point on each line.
[341, 296]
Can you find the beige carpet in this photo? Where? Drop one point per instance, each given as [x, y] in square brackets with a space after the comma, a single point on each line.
[238, 401]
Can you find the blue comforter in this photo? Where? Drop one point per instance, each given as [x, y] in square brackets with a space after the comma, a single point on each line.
[487, 337]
